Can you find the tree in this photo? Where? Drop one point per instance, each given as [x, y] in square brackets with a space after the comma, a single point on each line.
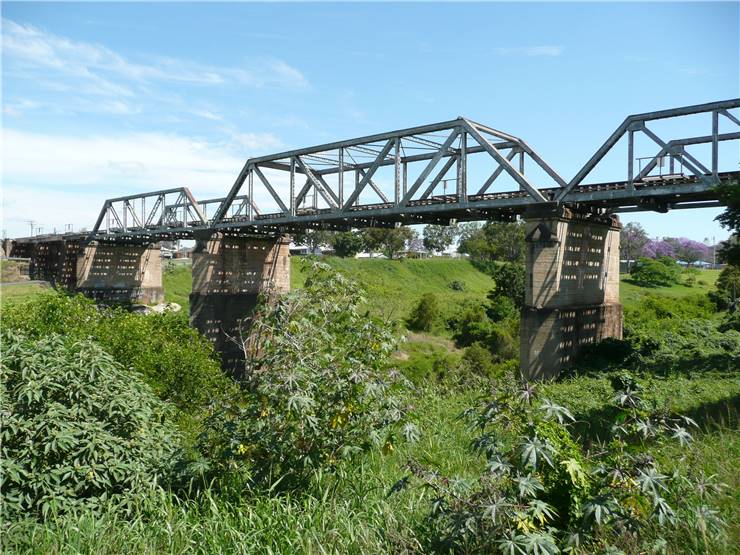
[389, 241]
[633, 240]
[347, 244]
[658, 249]
[425, 314]
[313, 238]
[730, 220]
[687, 250]
[438, 237]
[494, 241]
[662, 272]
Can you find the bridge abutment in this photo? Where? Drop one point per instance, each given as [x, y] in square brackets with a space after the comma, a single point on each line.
[572, 288]
[229, 274]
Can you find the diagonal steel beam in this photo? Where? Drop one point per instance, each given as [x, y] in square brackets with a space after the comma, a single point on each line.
[429, 167]
[326, 192]
[496, 173]
[440, 174]
[510, 169]
[270, 190]
[370, 172]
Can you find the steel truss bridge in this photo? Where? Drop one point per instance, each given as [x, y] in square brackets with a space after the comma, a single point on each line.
[395, 178]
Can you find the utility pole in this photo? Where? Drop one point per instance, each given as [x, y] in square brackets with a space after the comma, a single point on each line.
[31, 223]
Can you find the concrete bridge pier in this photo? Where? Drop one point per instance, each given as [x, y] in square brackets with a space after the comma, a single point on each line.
[229, 274]
[120, 273]
[572, 288]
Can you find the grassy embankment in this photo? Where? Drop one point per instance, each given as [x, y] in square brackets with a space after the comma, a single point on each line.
[354, 515]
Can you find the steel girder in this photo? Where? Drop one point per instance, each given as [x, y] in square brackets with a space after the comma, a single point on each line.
[341, 173]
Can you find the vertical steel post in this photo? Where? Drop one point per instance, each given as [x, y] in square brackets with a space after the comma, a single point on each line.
[715, 142]
[293, 207]
[521, 162]
[357, 186]
[397, 172]
[462, 169]
[405, 178]
[630, 158]
[341, 177]
[250, 196]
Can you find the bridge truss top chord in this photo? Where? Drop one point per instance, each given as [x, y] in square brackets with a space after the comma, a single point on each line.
[394, 178]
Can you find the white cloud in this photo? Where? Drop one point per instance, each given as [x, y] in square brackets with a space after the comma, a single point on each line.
[60, 179]
[101, 69]
[545, 50]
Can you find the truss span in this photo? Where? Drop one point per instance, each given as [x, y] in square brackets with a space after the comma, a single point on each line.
[454, 170]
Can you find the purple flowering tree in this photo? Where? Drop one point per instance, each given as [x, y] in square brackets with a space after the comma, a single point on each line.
[690, 251]
[656, 249]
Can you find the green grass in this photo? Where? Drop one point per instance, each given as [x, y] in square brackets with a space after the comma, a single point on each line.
[20, 291]
[177, 279]
[631, 294]
[352, 513]
[395, 286]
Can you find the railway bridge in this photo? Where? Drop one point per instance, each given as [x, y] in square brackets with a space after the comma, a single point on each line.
[454, 171]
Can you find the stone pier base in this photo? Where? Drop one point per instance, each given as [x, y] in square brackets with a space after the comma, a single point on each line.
[121, 274]
[572, 289]
[229, 274]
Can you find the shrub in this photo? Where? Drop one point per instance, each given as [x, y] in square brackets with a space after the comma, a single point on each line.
[662, 272]
[318, 388]
[425, 314]
[78, 429]
[727, 292]
[477, 361]
[510, 283]
[540, 493]
[470, 325]
[172, 358]
[690, 276]
[456, 285]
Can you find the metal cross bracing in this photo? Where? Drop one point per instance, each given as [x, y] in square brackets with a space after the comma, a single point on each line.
[395, 178]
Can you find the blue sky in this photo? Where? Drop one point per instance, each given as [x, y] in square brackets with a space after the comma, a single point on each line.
[101, 100]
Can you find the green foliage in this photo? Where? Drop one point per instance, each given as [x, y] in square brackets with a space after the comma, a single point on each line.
[497, 241]
[473, 324]
[477, 361]
[690, 276]
[510, 283]
[390, 241]
[660, 272]
[456, 285]
[438, 237]
[730, 220]
[542, 493]
[426, 314]
[318, 388]
[171, 357]
[727, 293]
[347, 244]
[78, 429]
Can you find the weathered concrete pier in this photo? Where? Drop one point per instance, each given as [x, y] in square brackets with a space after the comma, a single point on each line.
[572, 288]
[112, 273]
[230, 272]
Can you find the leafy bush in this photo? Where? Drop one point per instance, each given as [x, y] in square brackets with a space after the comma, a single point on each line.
[541, 493]
[173, 358]
[662, 272]
[319, 390]
[477, 360]
[510, 283]
[425, 314]
[690, 276]
[727, 294]
[456, 285]
[78, 429]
